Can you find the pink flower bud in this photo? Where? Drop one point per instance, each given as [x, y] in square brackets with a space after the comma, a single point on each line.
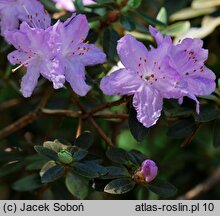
[149, 170]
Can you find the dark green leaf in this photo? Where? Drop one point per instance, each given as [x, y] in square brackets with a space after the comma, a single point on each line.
[119, 186]
[162, 188]
[110, 39]
[27, 183]
[208, 112]
[181, 129]
[52, 174]
[101, 170]
[149, 19]
[115, 172]
[216, 133]
[46, 152]
[138, 157]
[79, 155]
[10, 168]
[137, 129]
[178, 111]
[104, 1]
[76, 185]
[85, 140]
[127, 23]
[36, 165]
[85, 170]
[117, 155]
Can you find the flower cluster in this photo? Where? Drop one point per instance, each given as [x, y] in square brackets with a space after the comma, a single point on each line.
[60, 53]
[168, 71]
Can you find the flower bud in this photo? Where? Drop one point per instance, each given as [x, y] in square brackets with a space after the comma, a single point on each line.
[65, 156]
[146, 173]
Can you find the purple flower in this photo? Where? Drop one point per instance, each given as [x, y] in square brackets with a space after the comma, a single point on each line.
[147, 75]
[57, 53]
[167, 71]
[149, 170]
[188, 59]
[14, 11]
[69, 5]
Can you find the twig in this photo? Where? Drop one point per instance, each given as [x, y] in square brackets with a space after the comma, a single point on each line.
[190, 137]
[10, 103]
[101, 132]
[203, 187]
[91, 119]
[107, 105]
[20, 123]
[79, 127]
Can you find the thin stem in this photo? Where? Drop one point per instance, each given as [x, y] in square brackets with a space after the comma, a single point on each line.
[79, 127]
[101, 132]
[203, 187]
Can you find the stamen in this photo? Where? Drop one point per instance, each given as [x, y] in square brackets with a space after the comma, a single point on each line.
[29, 16]
[19, 66]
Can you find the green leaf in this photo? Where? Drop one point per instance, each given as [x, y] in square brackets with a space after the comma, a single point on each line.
[11, 168]
[132, 4]
[208, 112]
[101, 170]
[205, 3]
[138, 131]
[79, 5]
[119, 186]
[46, 152]
[110, 38]
[127, 23]
[115, 172]
[55, 145]
[178, 111]
[162, 15]
[104, 1]
[36, 165]
[85, 140]
[181, 128]
[148, 19]
[47, 166]
[117, 155]
[27, 183]
[85, 170]
[162, 188]
[188, 13]
[79, 155]
[52, 174]
[216, 133]
[176, 29]
[138, 156]
[76, 185]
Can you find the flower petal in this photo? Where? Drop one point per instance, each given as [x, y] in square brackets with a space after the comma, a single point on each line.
[89, 54]
[75, 75]
[160, 39]
[131, 52]
[72, 32]
[148, 104]
[121, 82]
[29, 80]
